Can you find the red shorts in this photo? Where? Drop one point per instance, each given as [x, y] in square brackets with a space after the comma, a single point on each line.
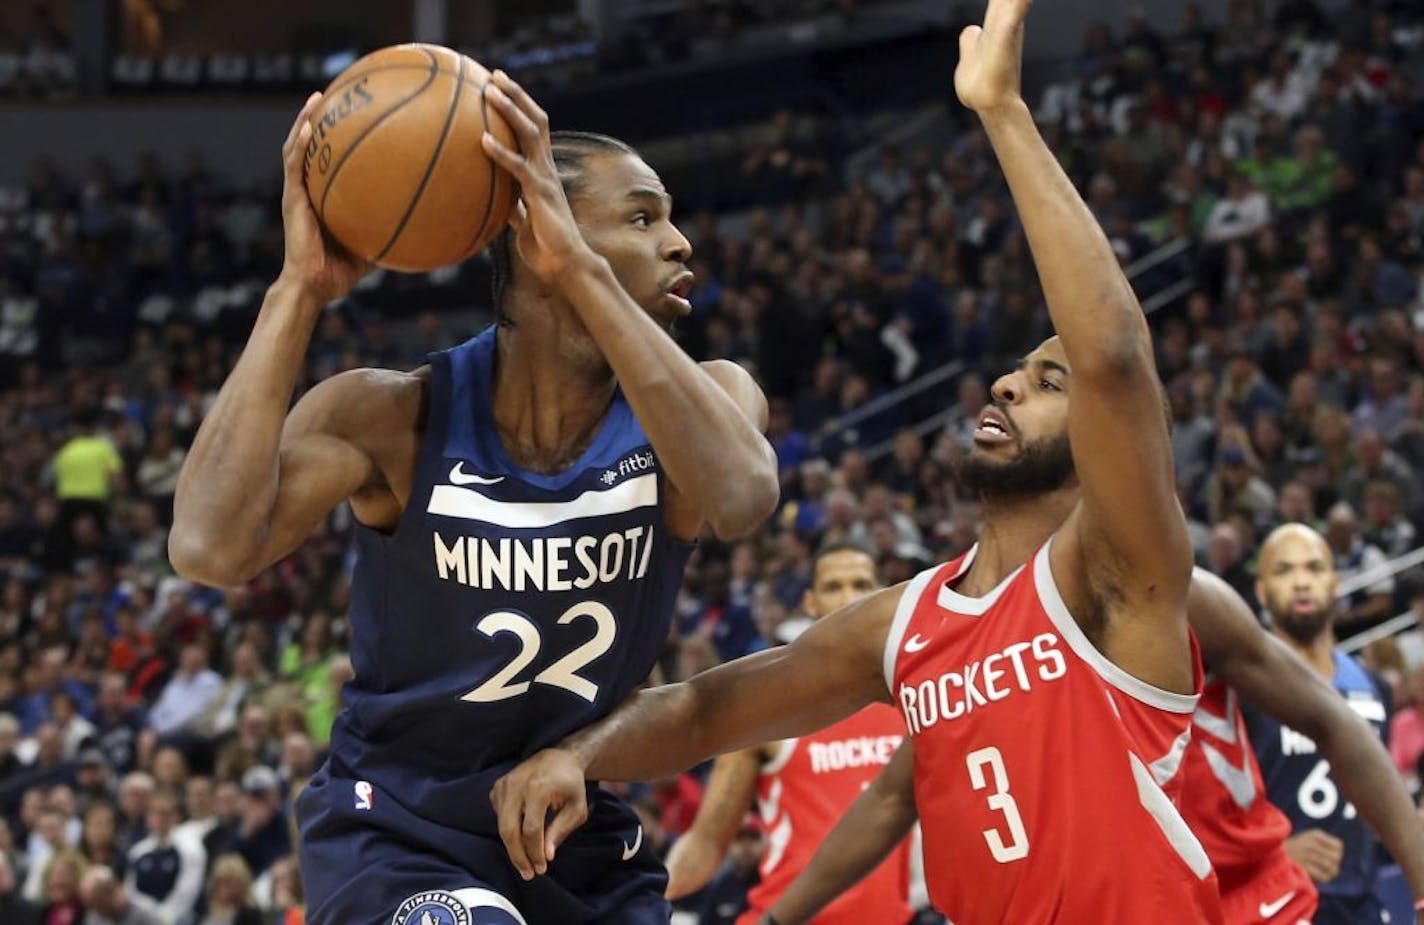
[1278, 893]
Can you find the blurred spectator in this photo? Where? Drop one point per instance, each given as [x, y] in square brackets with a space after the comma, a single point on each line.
[262, 836]
[62, 904]
[230, 894]
[109, 902]
[86, 470]
[13, 909]
[99, 841]
[725, 897]
[1354, 557]
[166, 869]
[193, 687]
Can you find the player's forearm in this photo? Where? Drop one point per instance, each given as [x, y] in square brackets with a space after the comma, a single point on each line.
[664, 730]
[1092, 305]
[1367, 777]
[228, 484]
[708, 446]
[873, 826]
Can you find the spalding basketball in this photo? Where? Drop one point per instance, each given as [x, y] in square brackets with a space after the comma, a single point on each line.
[395, 168]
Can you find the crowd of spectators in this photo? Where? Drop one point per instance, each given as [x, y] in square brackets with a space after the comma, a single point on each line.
[36, 59]
[153, 733]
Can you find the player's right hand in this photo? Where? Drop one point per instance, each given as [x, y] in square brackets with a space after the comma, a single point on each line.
[313, 262]
[1318, 852]
[551, 780]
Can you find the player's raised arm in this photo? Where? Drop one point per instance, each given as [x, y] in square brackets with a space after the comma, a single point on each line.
[879, 820]
[705, 422]
[1273, 679]
[255, 483]
[830, 671]
[731, 788]
[1129, 523]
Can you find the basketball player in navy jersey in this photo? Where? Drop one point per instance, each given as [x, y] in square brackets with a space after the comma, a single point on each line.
[525, 507]
[1298, 584]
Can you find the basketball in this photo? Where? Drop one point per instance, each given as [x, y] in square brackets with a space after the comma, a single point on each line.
[395, 169]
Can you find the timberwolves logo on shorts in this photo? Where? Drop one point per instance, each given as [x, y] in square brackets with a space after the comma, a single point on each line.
[435, 907]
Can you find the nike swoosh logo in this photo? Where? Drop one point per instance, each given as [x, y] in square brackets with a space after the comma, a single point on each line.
[1269, 909]
[915, 643]
[637, 843]
[458, 477]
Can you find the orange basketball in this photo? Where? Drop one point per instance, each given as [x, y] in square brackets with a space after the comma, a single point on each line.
[395, 168]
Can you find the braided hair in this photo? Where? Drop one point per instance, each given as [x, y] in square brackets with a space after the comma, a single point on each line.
[571, 153]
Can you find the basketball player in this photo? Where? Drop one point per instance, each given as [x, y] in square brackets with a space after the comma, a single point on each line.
[803, 786]
[1298, 585]
[1222, 798]
[1047, 677]
[525, 505]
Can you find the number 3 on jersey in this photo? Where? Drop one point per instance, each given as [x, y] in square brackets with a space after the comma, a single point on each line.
[999, 799]
[562, 673]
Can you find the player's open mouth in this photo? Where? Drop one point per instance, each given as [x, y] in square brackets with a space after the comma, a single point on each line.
[993, 428]
[678, 292]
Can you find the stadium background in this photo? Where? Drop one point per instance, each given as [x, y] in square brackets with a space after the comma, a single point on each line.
[1258, 165]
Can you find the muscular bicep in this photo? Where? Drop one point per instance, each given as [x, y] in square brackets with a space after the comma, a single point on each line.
[684, 517]
[331, 448]
[1130, 523]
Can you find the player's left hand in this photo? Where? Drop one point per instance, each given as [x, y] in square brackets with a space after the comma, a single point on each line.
[991, 58]
[546, 233]
[550, 780]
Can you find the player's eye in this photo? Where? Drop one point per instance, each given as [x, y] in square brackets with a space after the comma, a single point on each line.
[642, 219]
[1049, 385]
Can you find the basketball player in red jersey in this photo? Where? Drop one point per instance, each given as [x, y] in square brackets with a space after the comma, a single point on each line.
[1047, 677]
[1223, 799]
[803, 786]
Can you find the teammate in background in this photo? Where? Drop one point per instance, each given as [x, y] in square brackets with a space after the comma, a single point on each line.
[802, 786]
[1047, 677]
[1222, 797]
[525, 504]
[1298, 585]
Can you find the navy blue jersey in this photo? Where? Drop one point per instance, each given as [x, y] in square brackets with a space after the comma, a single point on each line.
[1298, 780]
[506, 610]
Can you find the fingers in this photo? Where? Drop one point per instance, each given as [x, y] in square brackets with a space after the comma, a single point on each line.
[536, 808]
[507, 807]
[295, 146]
[523, 101]
[532, 135]
[569, 817]
[968, 38]
[512, 161]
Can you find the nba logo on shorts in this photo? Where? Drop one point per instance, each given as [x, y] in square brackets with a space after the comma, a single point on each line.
[435, 907]
[364, 794]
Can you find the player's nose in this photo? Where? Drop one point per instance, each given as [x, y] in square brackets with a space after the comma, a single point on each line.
[677, 248]
[1007, 388]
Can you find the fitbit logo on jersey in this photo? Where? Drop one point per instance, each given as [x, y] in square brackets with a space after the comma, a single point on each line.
[555, 563]
[638, 462]
[978, 684]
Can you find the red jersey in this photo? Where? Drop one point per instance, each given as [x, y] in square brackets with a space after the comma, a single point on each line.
[1223, 796]
[804, 791]
[1044, 773]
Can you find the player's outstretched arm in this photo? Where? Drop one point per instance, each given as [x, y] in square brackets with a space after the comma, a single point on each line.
[1273, 679]
[1129, 524]
[876, 823]
[829, 672]
[704, 421]
[252, 481]
[731, 788]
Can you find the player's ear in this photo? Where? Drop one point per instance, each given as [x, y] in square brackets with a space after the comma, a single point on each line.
[808, 602]
[1260, 593]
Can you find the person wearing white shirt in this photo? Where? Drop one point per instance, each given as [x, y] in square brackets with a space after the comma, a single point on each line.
[164, 867]
[1242, 213]
[187, 694]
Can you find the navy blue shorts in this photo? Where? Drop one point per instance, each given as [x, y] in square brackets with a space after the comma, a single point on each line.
[368, 860]
[1351, 910]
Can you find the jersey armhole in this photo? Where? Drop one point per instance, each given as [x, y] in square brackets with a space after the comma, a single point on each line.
[904, 610]
[780, 756]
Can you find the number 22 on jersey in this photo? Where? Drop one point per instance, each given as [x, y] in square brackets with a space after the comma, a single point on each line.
[563, 673]
[1016, 848]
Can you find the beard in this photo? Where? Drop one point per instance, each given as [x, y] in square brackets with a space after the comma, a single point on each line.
[1304, 628]
[1042, 466]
